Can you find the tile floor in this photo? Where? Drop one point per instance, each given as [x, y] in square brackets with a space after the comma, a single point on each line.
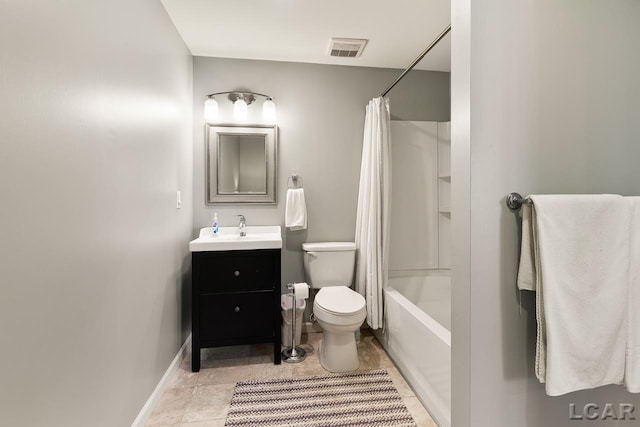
[202, 399]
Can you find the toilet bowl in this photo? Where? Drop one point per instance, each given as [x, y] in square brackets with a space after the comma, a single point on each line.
[338, 309]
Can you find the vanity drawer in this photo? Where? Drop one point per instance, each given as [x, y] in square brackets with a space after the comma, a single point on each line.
[238, 271]
[237, 315]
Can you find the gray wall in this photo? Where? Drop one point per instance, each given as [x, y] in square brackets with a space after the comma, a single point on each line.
[95, 131]
[320, 118]
[555, 102]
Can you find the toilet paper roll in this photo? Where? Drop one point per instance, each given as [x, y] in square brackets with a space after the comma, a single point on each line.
[301, 290]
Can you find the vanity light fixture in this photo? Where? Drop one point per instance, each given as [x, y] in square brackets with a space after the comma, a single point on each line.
[210, 110]
[241, 101]
[269, 111]
[240, 110]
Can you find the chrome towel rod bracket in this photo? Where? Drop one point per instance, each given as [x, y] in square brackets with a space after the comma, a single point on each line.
[295, 180]
[515, 201]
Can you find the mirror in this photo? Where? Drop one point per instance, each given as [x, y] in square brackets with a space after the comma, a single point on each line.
[241, 164]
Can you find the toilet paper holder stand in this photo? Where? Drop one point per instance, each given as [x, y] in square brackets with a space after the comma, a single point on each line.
[293, 354]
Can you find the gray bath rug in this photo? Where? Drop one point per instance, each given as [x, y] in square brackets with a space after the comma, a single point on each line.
[366, 399]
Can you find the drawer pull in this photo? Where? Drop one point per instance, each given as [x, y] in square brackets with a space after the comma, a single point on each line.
[237, 309]
[236, 273]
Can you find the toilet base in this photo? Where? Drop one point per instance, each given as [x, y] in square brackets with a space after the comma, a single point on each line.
[338, 352]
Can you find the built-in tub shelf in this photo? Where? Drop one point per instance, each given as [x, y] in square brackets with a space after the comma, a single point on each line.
[444, 195]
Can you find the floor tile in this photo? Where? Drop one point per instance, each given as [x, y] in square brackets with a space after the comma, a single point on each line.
[417, 411]
[312, 339]
[225, 352]
[209, 402]
[372, 354]
[400, 383]
[184, 377]
[225, 362]
[224, 375]
[207, 423]
[266, 371]
[261, 350]
[187, 360]
[202, 399]
[171, 407]
[309, 367]
[366, 332]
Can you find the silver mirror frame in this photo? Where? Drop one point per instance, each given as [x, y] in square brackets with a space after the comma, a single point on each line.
[212, 197]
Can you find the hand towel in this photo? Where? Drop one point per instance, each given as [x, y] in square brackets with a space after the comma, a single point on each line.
[526, 270]
[529, 280]
[295, 216]
[579, 256]
[632, 368]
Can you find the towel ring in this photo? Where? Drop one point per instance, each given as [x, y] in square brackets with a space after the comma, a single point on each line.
[295, 180]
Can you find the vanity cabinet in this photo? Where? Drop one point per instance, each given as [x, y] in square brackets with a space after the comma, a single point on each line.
[236, 299]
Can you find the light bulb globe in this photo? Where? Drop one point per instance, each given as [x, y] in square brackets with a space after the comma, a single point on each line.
[269, 111]
[210, 110]
[240, 110]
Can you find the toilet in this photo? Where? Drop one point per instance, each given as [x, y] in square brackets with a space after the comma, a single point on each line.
[340, 311]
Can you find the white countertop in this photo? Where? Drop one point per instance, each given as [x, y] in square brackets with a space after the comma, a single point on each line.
[228, 239]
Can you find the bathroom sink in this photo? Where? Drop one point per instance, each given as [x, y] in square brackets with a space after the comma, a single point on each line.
[228, 239]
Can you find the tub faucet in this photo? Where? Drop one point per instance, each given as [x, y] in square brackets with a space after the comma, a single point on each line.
[242, 227]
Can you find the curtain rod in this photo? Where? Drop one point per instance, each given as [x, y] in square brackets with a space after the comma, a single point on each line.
[418, 59]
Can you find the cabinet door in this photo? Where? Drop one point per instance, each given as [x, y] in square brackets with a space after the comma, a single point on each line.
[236, 315]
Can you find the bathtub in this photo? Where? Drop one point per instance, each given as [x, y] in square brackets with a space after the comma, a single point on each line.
[417, 336]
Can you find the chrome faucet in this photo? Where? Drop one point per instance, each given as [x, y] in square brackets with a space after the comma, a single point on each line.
[242, 227]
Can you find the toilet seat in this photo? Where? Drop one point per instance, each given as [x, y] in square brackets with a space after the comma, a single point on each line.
[340, 300]
[340, 305]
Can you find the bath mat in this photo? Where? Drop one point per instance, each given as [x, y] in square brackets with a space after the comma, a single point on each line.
[366, 399]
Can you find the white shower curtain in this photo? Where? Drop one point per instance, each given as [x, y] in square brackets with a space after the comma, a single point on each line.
[372, 221]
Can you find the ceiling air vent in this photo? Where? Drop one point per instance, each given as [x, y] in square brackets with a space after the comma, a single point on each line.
[346, 48]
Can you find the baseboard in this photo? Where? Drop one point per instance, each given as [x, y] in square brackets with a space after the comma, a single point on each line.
[153, 400]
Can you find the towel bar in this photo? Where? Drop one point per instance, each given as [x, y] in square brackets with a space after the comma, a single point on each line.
[515, 201]
[296, 181]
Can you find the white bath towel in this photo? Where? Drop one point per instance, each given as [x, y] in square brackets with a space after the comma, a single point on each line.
[632, 369]
[295, 216]
[580, 269]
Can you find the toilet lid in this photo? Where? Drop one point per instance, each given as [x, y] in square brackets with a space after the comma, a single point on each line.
[340, 300]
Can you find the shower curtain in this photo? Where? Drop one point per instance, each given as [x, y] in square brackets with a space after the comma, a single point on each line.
[372, 220]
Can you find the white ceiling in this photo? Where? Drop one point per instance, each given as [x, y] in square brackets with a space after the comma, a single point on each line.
[299, 30]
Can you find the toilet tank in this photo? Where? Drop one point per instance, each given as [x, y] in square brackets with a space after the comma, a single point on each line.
[329, 263]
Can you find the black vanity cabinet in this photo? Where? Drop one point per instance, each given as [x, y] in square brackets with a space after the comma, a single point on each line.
[236, 299]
